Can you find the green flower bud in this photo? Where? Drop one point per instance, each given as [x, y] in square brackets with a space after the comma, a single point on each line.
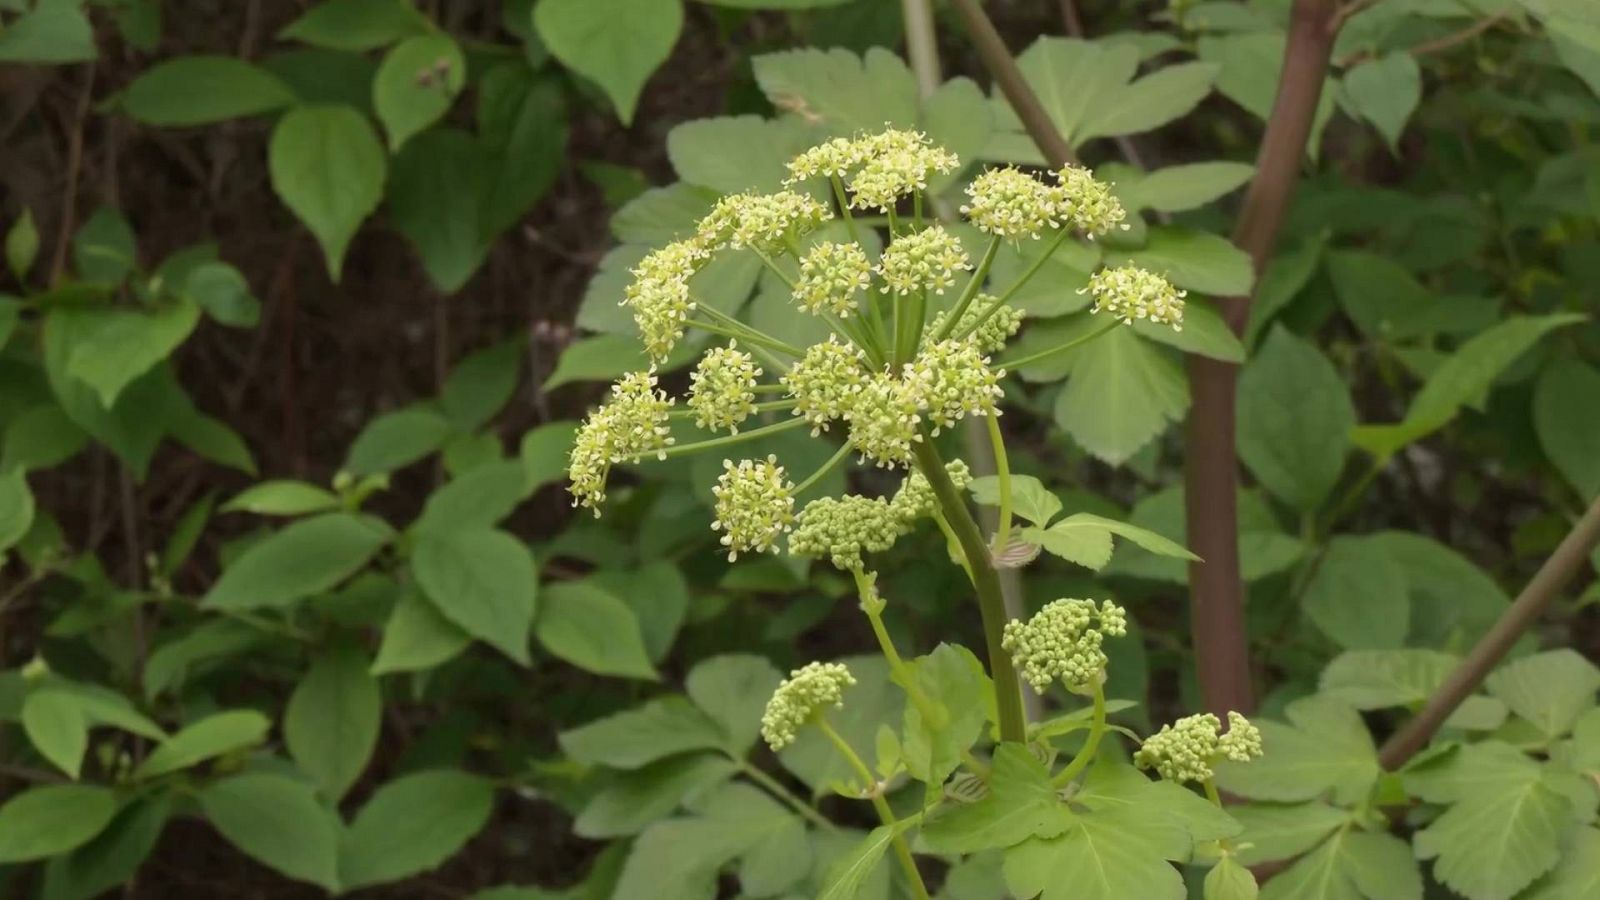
[1129, 293]
[1242, 742]
[755, 506]
[831, 275]
[722, 388]
[1187, 749]
[801, 698]
[995, 332]
[844, 528]
[1063, 641]
[916, 499]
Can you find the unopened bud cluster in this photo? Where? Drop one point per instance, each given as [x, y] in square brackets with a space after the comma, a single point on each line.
[844, 529]
[991, 334]
[1187, 749]
[807, 693]
[1062, 642]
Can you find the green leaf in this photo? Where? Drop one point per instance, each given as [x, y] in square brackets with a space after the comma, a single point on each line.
[1085, 538]
[733, 690]
[282, 498]
[1122, 394]
[114, 347]
[50, 820]
[1326, 749]
[1030, 499]
[1263, 547]
[304, 558]
[1021, 804]
[56, 728]
[482, 384]
[1295, 418]
[1110, 855]
[593, 630]
[54, 31]
[605, 356]
[482, 580]
[1196, 260]
[1150, 102]
[41, 438]
[680, 858]
[522, 129]
[1375, 679]
[839, 90]
[112, 858]
[413, 824]
[872, 700]
[637, 798]
[1452, 600]
[1386, 301]
[1285, 277]
[1228, 880]
[1358, 596]
[479, 498]
[16, 508]
[850, 872]
[659, 597]
[736, 153]
[215, 735]
[416, 83]
[544, 453]
[1277, 831]
[212, 439]
[22, 244]
[1385, 91]
[1548, 689]
[199, 90]
[277, 821]
[957, 688]
[396, 440]
[1250, 66]
[1204, 333]
[331, 723]
[1577, 876]
[328, 167]
[417, 637]
[637, 737]
[1350, 865]
[102, 706]
[1571, 442]
[1497, 841]
[615, 43]
[223, 293]
[1077, 82]
[357, 25]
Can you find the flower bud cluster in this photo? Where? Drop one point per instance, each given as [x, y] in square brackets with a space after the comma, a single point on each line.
[995, 332]
[1012, 204]
[800, 698]
[765, 222]
[844, 528]
[1087, 204]
[1063, 641]
[659, 295]
[835, 158]
[755, 505]
[1187, 749]
[722, 388]
[831, 275]
[916, 499]
[633, 424]
[927, 260]
[951, 379]
[1130, 293]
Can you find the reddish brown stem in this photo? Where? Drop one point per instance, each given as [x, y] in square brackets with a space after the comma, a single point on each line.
[997, 59]
[1211, 472]
[1547, 584]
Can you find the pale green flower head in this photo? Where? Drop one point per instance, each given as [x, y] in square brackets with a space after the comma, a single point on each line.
[1011, 203]
[834, 158]
[1187, 749]
[826, 381]
[884, 420]
[722, 388]
[952, 379]
[895, 163]
[915, 498]
[1130, 293]
[659, 295]
[994, 333]
[807, 693]
[831, 276]
[1086, 203]
[927, 260]
[841, 529]
[632, 424]
[765, 222]
[755, 506]
[1063, 642]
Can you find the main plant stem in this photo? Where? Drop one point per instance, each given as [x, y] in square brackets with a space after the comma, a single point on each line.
[1211, 471]
[986, 581]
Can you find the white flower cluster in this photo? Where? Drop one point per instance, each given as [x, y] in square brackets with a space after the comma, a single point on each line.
[826, 381]
[879, 169]
[800, 698]
[722, 388]
[925, 261]
[1063, 641]
[1130, 293]
[1187, 749]
[952, 379]
[1011, 203]
[766, 222]
[831, 275]
[659, 295]
[632, 425]
[884, 419]
[755, 505]
[1087, 204]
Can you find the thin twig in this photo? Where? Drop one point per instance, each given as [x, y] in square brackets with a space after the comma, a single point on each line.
[1438, 44]
[1008, 77]
[69, 194]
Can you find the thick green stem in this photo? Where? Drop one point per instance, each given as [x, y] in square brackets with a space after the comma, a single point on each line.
[986, 581]
[844, 208]
[726, 440]
[1091, 745]
[902, 851]
[786, 796]
[1105, 327]
[872, 604]
[1002, 466]
[825, 468]
[1212, 793]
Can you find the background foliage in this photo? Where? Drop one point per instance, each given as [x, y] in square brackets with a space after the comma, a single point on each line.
[303, 300]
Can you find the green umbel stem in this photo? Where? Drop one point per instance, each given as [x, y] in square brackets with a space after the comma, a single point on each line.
[741, 437]
[1104, 328]
[974, 285]
[1007, 690]
[1002, 532]
[1097, 730]
[902, 851]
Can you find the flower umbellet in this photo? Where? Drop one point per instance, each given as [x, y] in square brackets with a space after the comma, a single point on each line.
[915, 340]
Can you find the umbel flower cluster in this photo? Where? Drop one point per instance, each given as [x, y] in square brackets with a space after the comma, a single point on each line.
[1063, 642]
[807, 693]
[912, 346]
[1187, 749]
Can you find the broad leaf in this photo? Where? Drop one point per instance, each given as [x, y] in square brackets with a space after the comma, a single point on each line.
[593, 630]
[112, 858]
[733, 690]
[482, 580]
[53, 819]
[1385, 91]
[282, 498]
[1122, 394]
[199, 90]
[850, 872]
[328, 168]
[213, 736]
[278, 821]
[306, 557]
[1021, 804]
[1030, 499]
[413, 824]
[1295, 417]
[331, 723]
[1196, 260]
[1325, 751]
[1358, 595]
[395, 440]
[113, 347]
[1571, 442]
[615, 43]
[642, 735]
[1548, 689]
[356, 25]
[417, 637]
[56, 727]
[635, 799]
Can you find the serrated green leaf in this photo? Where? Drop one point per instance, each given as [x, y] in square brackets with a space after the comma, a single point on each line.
[44, 821]
[639, 736]
[1196, 260]
[1326, 749]
[733, 690]
[482, 580]
[1228, 880]
[304, 558]
[1030, 499]
[396, 440]
[1497, 842]
[331, 722]
[637, 798]
[1571, 442]
[1122, 394]
[1548, 689]
[850, 872]
[1358, 596]
[1021, 804]
[593, 630]
[1277, 831]
[215, 735]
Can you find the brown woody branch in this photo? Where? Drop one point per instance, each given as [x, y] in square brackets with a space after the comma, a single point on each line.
[997, 59]
[1547, 584]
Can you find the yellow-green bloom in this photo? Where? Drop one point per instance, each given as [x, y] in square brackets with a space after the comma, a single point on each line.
[1010, 203]
[659, 295]
[951, 379]
[1087, 203]
[825, 382]
[831, 275]
[927, 260]
[884, 417]
[836, 158]
[916, 499]
[722, 388]
[1130, 293]
[807, 693]
[766, 222]
[894, 164]
[995, 332]
[631, 425]
[755, 505]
